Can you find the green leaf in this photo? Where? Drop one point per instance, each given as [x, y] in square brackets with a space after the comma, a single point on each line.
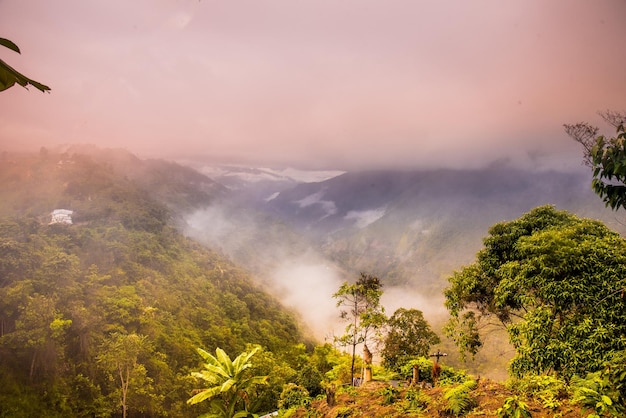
[9, 76]
[9, 44]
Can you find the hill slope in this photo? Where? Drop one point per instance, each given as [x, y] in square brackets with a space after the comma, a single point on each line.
[118, 289]
[415, 227]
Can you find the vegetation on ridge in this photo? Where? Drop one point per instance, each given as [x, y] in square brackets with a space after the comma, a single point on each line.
[104, 316]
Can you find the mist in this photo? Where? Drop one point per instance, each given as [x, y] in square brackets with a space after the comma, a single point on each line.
[296, 275]
[294, 272]
[317, 84]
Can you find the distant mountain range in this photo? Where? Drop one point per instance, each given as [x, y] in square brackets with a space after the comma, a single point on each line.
[302, 233]
[410, 228]
[407, 226]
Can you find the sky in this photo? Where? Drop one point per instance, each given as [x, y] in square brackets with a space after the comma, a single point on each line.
[327, 84]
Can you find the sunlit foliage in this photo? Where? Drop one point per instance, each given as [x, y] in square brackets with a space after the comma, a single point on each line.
[556, 282]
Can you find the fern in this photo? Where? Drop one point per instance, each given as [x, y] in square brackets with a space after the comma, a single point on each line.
[459, 400]
[414, 401]
[389, 394]
[513, 408]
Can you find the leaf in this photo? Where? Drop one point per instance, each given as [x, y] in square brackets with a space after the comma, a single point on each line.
[204, 395]
[9, 76]
[9, 44]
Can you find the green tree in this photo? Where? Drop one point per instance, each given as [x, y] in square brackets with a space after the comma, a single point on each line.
[362, 310]
[555, 282]
[605, 156]
[120, 357]
[9, 76]
[409, 336]
[228, 383]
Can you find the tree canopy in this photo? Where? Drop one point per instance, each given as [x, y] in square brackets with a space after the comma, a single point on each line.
[408, 336]
[104, 315]
[555, 281]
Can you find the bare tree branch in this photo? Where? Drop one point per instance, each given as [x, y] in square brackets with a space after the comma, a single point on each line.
[613, 118]
[585, 134]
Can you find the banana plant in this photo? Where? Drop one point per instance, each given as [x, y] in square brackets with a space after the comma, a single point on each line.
[9, 76]
[228, 384]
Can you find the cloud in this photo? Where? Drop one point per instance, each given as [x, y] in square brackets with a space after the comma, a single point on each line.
[365, 217]
[307, 284]
[315, 199]
[348, 84]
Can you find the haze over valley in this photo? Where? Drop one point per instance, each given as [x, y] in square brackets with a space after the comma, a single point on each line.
[264, 179]
[303, 236]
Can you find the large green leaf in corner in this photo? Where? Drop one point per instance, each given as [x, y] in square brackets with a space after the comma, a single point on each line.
[9, 76]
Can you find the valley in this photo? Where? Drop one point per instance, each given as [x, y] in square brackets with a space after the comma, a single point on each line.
[159, 250]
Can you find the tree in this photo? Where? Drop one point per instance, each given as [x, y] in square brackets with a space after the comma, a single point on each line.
[229, 385]
[605, 156]
[409, 335]
[555, 282]
[364, 312]
[9, 76]
[120, 357]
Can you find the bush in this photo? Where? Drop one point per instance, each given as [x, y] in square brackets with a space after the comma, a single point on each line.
[293, 396]
[547, 388]
[311, 379]
[513, 408]
[343, 412]
[595, 393]
[448, 375]
[458, 399]
[415, 401]
[389, 394]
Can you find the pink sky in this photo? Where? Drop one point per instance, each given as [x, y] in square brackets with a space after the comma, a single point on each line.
[324, 83]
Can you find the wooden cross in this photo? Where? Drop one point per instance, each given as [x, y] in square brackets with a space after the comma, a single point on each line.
[438, 354]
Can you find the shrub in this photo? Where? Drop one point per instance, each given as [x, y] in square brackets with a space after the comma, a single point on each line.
[415, 401]
[390, 394]
[293, 396]
[448, 374]
[547, 388]
[513, 408]
[458, 399]
[595, 394]
[343, 412]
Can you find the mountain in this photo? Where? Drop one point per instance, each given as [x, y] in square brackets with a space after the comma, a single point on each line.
[417, 226]
[412, 229]
[103, 302]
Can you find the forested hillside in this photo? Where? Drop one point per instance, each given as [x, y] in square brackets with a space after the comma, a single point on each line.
[108, 310]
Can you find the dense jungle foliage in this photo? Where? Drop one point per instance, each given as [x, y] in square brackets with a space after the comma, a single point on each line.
[105, 316]
[109, 310]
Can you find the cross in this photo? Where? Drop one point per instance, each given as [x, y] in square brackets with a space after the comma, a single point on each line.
[438, 354]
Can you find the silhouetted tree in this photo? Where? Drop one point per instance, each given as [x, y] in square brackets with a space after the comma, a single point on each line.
[605, 156]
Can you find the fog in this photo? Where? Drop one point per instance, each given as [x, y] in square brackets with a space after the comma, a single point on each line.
[315, 83]
[285, 264]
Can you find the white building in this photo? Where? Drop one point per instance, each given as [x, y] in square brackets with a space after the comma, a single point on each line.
[61, 216]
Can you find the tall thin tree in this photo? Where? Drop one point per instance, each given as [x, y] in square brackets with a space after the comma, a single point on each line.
[361, 308]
